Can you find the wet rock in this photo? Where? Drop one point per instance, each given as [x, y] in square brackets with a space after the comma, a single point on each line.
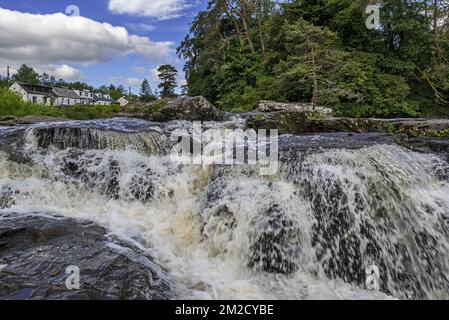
[283, 121]
[64, 137]
[275, 243]
[419, 126]
[12, 142]
[7, 196]
[273, 106]
[36, 250]
[438, 146]
[287, 122]
[306, 122]
[15, 121]
[189, 109]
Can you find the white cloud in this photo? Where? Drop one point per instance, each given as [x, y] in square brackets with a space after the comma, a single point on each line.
[154, 74]
[64, 71]
[39, 39]
[140, 26]
[157, 9]
[138, 69]
[133, 82]
[68, 73]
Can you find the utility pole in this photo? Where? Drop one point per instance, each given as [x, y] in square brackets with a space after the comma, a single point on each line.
[7, 74]
[129, 94]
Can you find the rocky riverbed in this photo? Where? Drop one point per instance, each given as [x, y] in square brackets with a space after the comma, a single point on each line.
[37, 249]
[106, 197]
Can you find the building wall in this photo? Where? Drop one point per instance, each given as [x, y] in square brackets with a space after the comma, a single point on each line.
[62, 101]
[15, 87]
[103, 103]
[123, 102]
[30, 97]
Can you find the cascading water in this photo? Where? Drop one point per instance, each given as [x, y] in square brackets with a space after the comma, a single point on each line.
[308, 232]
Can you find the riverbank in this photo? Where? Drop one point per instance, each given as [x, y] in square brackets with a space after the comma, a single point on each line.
[288, 118]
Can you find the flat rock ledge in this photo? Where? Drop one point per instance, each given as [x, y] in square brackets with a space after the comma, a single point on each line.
[304, 122]
[35, 251]
[273, 106]
[10, 121]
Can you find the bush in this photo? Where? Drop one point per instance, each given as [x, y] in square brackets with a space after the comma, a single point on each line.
[146, 108]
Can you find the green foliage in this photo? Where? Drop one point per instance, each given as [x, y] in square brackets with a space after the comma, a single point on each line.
[146, 93]
[145, 108]
[239, 52]
[3, 82]
[167, 77]
[11, 104]
[116, 92]
[26, 74]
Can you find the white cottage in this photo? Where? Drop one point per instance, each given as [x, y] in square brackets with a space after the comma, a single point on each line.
[34, 93]
[103, 99]
[66, 97]
[86, 96]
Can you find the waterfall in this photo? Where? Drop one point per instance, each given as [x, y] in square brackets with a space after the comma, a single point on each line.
[148, 142]
[222, 232]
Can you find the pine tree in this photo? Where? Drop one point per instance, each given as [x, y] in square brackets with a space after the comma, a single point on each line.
[311, 58]
[167, 77]
[146, 93]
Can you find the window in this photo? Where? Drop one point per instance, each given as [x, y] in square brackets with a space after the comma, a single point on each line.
[45, 100]
[34, 99]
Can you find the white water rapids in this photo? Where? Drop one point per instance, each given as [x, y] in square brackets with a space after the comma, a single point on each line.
[228, 233]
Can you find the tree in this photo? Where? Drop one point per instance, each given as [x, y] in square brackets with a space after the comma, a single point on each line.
[241, 51]
[146, 93]
[184, 90]
[81, 86]
[167, 77]
[311, 59]
[27, 75]
[3, 81]
[116, 92]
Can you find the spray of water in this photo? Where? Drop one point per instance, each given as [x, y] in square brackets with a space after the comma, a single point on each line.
[308, 232]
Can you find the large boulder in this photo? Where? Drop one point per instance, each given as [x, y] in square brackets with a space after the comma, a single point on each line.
[283, 121]
[189, 109]
[273, 106]
[35, 252]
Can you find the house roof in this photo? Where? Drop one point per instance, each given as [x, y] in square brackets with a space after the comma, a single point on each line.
[99, 97]
[65, 93]
[36, 89]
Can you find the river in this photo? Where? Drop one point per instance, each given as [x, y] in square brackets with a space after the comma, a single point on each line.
[339, 204]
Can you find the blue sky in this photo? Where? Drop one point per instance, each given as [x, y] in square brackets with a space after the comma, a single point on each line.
[95, 47]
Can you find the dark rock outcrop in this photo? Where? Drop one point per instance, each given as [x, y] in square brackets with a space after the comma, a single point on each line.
[273, 106]
[14, 121]
[288, 122]
[36, 250]
[189, 109]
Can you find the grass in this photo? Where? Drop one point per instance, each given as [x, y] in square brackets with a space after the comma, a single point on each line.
[145, 107]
